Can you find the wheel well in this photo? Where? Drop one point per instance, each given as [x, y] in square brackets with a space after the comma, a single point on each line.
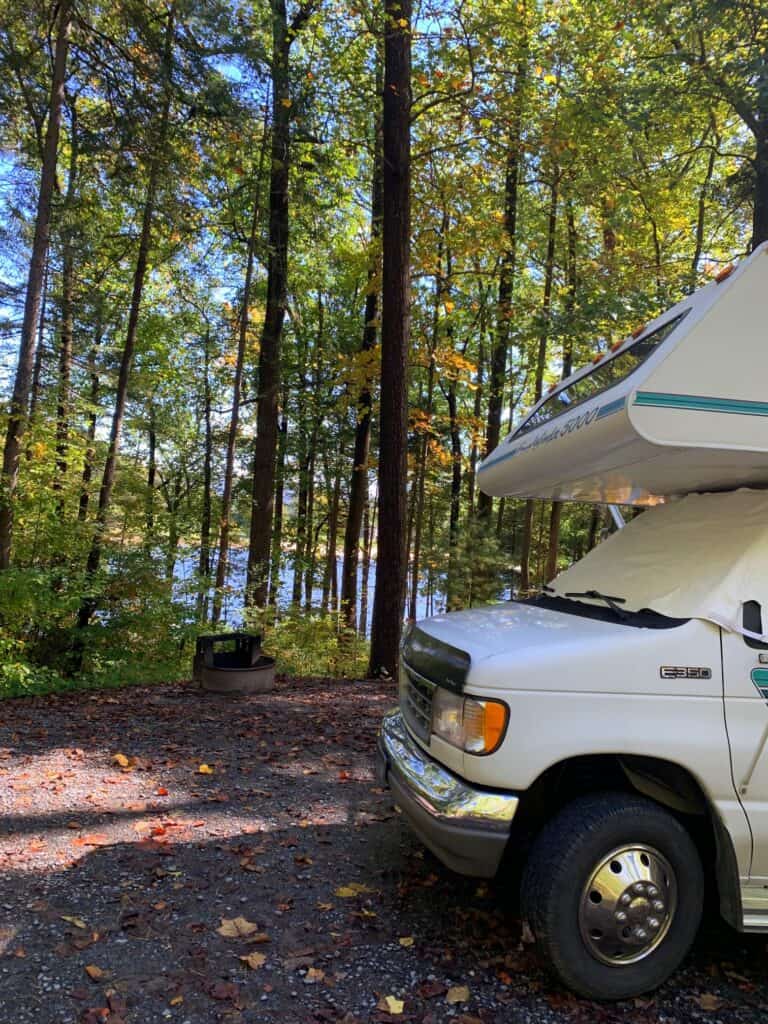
[664, 782]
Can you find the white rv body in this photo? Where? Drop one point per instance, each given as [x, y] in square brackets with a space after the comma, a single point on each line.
[692, 416]
[634, 690]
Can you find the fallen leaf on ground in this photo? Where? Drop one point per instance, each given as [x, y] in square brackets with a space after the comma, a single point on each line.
[161, 791]
[707, 1001]
[352, 889]
[313, 975]
[94, 972]
[176, 1001]
[457, 994]
[259, 937]
[236, 927]
[205, 769]
[406, 940]
[254, 960]
[78, 922]
[123, 761]
[389, 1004]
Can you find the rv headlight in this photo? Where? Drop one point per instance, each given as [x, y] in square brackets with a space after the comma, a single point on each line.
[469, 723]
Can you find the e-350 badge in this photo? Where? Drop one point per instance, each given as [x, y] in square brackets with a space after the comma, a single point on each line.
[684, 672]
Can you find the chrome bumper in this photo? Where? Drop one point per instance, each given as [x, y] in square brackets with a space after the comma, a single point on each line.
[465, 827]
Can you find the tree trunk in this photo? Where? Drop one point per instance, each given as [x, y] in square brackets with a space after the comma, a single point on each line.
[310, 544]
[277, 532]
[37, 372]
[88, 605]
[550, 570]
[541, 362]
[93, 415]
[420, 484]
[369, 529]
[222, 566]
[265, 446]
[330, 575]
[701, 210]
[149, 511]
[21, 388]
[497, 377]
[760, 216]
[204, 557]
[391, 556]
[67, 318]
[358, 488]
[474, 455]
[65, 372]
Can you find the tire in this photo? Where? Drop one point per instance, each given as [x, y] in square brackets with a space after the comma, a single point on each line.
[574, 860]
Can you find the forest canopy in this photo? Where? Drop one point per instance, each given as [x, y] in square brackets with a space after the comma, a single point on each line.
[191, 297]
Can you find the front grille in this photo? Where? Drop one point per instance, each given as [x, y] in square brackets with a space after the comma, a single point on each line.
[416, 694]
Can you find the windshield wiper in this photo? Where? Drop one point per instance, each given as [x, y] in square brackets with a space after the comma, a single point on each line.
[612, 602]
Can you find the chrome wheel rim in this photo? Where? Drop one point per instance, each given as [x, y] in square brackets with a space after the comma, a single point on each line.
[628, 905]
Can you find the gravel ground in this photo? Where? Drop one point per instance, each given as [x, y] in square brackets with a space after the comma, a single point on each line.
[169, 855]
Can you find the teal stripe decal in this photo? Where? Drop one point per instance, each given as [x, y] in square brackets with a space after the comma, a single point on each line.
[759, 677]
[701, 403]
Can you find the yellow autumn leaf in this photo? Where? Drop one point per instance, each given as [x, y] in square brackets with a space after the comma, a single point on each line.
[254, 960]
[313, 975]
[94, 972]
[78, 922]
[236, 928]
[176, 1001]
[287, 103]
[389, 1004]
[406, 940]
[457, 994]
[352, 889]
[122, 760]
[205, 769]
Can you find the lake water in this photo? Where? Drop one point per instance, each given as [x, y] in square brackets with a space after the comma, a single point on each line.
[232, 608]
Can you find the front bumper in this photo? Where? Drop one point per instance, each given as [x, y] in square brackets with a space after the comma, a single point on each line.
[465, 827]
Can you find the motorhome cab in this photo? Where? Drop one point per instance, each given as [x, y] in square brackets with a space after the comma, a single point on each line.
[612, 733]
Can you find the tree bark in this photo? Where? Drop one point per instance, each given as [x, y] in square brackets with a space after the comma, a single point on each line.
[265, 446]
[497, 376]
[277, 532]
[93, 415]
[555, 515]
[88, 605]
[330, 575]
[358, 488]
[222, 565]
[391, 556]
[21, 388]
[541, 362]
[760, 216]
[204, 557]
[369, 529]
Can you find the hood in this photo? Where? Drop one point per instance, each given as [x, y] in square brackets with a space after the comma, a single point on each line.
[525, 646]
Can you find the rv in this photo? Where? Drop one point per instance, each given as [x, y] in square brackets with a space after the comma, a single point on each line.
[608, 738]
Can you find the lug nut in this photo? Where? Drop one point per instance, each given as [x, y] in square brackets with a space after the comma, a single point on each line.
[639, 888]
[658, 906]
[653, 892]
[625, 900]
[641, 933]
[653, 922]
[621, 917]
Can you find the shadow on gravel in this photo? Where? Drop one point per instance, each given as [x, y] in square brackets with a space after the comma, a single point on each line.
[115, 879]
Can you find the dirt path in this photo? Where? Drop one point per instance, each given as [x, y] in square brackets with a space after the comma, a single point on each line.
[134, 823]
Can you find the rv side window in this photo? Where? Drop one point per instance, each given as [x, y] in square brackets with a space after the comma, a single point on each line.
[604, 376]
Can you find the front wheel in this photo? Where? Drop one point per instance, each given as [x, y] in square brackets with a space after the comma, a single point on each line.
[613, 892]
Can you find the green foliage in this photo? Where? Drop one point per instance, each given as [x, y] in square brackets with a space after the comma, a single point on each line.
[640, 122]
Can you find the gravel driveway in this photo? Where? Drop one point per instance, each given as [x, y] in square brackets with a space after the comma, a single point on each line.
[169, 855]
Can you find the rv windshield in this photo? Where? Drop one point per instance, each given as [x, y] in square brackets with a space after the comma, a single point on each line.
[604, 376]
